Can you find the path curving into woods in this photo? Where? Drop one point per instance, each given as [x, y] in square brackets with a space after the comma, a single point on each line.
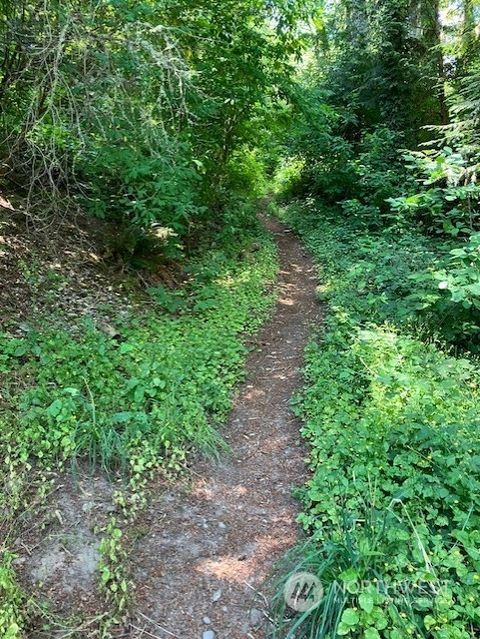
[211, 542]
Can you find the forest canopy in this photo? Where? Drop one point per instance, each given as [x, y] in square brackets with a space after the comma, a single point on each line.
[140, 112]
[163, 112]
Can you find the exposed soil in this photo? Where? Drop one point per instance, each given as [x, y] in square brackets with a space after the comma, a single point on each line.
[210, 544]
[69, 270]
[57, 552]
[201, 552]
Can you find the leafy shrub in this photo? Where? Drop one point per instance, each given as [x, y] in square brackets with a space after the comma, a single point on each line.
[246, 173]
[365, 215]
[368, 171]
[170, 301]
[377, 266]
[449, 294]
[328, 171]
[320, 158]
[447, 199]
[116, 109]
[138, 187]
[379, 168]
[288, 178]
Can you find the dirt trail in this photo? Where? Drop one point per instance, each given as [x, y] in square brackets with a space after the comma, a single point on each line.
[209, 544]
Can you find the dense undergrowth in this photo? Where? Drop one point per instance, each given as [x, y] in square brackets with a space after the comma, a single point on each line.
[140, 399]
[155, 384]
[391, 415]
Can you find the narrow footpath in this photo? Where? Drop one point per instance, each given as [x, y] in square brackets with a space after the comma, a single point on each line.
[211, 543]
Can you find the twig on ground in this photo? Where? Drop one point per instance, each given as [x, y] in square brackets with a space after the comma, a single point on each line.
[171, 634]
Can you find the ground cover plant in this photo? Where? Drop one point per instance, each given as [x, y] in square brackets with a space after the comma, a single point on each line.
[393, 424]
[141, 398]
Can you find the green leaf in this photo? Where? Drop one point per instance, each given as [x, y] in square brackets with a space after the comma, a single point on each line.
[55, 408]
[20, 351]
[366, 602]
[349, 575]
[429, 621]
[381, 622]
[343, 629]
[350, 617]
[122, 417]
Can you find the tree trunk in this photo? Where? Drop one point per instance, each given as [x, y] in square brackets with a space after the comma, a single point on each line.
[434, 29]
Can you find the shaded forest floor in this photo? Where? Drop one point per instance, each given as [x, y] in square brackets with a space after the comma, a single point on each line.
[179, 549]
